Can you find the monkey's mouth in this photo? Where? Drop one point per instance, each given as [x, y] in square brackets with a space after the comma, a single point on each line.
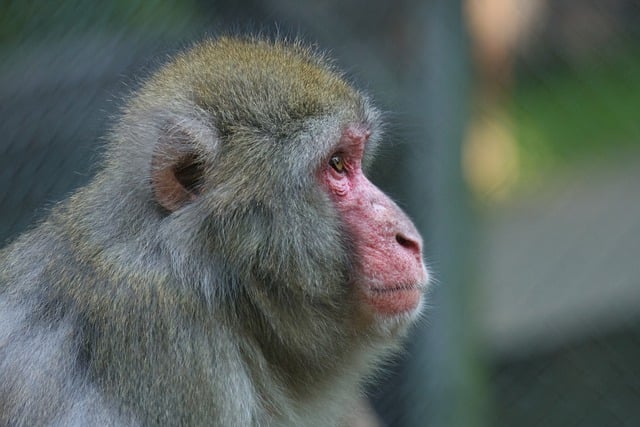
[393, 289]
[393, 300]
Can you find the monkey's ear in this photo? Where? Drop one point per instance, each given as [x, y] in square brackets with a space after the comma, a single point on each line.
[177, 168]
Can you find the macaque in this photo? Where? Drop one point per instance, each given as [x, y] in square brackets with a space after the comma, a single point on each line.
[228, 265]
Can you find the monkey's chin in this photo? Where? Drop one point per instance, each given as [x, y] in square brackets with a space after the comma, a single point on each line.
[395, 301]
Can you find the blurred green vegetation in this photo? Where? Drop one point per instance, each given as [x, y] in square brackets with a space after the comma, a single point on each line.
[566, 114]
[33, 19]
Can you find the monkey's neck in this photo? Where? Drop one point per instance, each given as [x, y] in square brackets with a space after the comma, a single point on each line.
[304, 353]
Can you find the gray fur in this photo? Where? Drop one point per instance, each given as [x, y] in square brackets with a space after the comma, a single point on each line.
[232, 310]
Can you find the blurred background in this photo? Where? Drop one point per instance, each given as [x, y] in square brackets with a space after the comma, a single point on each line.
[513, 141]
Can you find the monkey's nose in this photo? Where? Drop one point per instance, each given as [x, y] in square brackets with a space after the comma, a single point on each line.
[412, 245]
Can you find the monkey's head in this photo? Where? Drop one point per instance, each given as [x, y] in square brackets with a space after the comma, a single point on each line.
[246, 160]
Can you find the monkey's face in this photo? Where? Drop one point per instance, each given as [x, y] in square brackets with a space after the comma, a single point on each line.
[259, 164]
[391, 276]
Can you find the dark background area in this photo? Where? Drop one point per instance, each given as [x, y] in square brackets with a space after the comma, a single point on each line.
[513, 140]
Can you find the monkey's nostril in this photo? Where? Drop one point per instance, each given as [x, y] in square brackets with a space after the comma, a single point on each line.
[408, 243]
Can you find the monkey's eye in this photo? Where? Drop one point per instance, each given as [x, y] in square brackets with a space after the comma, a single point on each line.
[337, 163]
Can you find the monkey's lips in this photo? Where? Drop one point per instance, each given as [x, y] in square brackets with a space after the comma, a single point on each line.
[394, 300]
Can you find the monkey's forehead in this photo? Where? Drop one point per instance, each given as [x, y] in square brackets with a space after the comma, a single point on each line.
[255, 79]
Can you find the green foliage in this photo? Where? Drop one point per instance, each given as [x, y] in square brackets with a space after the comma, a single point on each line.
[569, 114]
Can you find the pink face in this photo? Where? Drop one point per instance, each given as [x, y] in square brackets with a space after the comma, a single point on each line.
[388, 247]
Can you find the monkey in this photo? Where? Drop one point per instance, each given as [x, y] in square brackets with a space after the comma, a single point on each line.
[229, 263]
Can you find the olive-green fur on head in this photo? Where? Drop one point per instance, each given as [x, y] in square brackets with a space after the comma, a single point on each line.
[275, 83]
[283, 94]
